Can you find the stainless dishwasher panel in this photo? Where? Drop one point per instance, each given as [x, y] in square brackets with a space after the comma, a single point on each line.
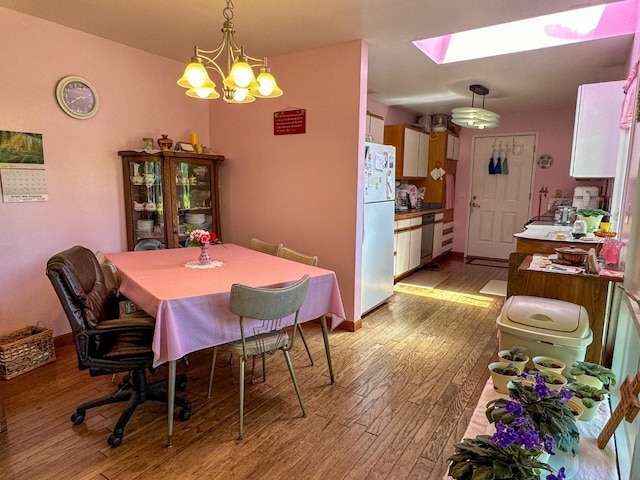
[426, 245]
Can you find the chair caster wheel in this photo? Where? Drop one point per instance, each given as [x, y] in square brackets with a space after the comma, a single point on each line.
[77, 418]
[114, 441]
[184, 414]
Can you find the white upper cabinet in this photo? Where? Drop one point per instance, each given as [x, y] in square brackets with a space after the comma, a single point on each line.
[596, 133]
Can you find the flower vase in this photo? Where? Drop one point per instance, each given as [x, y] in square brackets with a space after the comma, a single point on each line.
[204, 258]
[164, 142]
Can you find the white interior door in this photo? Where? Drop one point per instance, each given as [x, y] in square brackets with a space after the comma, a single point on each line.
[500, 203]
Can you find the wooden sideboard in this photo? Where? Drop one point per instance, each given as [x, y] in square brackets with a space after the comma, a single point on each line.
[592, 292]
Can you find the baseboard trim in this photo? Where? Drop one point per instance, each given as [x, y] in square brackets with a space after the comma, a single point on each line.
[350, 326]
[64, 340]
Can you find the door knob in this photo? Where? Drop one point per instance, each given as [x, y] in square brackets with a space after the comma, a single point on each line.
[474, 204]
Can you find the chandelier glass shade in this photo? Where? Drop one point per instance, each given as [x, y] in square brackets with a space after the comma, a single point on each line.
[240, 84]
[475, 117]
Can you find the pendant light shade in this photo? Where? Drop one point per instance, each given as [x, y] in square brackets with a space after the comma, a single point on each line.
[475, 117]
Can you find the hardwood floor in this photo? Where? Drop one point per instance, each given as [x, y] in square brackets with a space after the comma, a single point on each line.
[407, 383]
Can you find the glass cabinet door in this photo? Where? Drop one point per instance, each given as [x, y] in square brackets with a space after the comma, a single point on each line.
[194, 205]
[146, 207]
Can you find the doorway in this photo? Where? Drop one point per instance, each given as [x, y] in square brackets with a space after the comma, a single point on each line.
[500, 200]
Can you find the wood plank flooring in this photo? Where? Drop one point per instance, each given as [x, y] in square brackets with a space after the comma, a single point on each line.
[407, 383]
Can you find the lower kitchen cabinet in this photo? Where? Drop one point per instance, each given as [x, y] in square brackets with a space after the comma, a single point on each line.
[407, 242]
[442, 235]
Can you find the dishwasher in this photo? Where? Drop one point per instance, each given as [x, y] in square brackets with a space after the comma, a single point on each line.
[426, 245]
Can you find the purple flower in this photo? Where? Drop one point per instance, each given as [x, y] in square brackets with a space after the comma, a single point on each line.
[549, 442]
[559, 476]
[565, 395]
[514, 408]
[541, 389]
[504, 436]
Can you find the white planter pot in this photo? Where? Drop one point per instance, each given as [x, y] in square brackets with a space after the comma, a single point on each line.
[589, 380]
[589, 413]
[542, 368]
[500, 381]
[521, 365]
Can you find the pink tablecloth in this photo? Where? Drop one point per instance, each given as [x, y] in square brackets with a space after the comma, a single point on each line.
[191, 306]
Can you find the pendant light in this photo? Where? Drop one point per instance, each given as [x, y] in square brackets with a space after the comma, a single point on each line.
[240, 84]
[475, 117]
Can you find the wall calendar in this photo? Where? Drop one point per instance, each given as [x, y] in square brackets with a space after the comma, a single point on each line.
[22, 170]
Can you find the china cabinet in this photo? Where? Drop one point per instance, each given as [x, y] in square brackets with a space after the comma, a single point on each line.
[167, 194]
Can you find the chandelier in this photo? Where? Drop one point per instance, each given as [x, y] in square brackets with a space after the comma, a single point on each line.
[475, 117]
[239, 85]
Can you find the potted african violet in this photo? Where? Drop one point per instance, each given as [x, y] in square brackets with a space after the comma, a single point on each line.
[593, 374]
[589, 396]
[592, 217]
[555, 381]
[501, 374]
[550, 364]
[515, 355]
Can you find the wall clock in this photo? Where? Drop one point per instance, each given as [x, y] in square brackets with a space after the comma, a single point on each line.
[545, 161]
[77, 97]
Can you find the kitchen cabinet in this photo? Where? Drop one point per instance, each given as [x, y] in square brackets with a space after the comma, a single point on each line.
[375, 128]
[412, 150]
[596, 133]
[442, 235]
[164, 191]
[444, 150]
[407, 242]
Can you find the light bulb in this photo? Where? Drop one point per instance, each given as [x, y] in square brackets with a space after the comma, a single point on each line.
[265, 89]
[241, 74]
[196, 75]
[240, 94]
[203, 92]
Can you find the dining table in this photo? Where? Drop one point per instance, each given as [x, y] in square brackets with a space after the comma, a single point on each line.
[190, 301]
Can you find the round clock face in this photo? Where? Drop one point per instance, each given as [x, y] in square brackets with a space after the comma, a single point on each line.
[77, 97]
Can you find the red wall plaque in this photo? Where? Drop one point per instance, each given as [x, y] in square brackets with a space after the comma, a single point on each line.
[289, 122]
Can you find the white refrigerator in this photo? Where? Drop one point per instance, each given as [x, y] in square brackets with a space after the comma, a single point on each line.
[377, 232]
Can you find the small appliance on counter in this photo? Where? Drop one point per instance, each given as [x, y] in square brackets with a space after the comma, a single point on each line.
[410, 192]
[402, 197]
[564, 215]
[586, 197]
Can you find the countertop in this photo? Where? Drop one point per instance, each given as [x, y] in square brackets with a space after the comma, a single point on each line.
[555, 233]
[415, 212]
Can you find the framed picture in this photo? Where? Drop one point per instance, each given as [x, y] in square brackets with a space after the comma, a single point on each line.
[185, 147]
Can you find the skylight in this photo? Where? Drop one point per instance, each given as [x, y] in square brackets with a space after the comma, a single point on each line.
[580, 25]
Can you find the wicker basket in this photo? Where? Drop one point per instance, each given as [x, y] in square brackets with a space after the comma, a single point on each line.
[24, 350]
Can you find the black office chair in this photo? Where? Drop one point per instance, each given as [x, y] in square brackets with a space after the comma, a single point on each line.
[106, 344]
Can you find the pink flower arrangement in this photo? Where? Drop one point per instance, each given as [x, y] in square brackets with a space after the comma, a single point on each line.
[201, 237]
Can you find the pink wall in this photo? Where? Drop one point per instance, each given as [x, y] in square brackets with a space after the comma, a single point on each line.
[555, 137]
[138, 98]
[301, 190]
[391, 115]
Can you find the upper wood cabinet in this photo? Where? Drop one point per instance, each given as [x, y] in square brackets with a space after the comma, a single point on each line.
[412, 150]
[596, 133]
[443, 153]
[375, 128]
[168, 193]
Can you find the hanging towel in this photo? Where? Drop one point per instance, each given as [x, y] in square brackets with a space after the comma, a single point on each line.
[492, 168]
[498, 169]
[505, 166]
[449, 193]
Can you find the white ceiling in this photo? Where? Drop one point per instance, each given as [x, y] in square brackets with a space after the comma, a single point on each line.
[398, 73]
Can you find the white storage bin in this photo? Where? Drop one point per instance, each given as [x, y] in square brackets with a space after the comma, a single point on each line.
[545, 326]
